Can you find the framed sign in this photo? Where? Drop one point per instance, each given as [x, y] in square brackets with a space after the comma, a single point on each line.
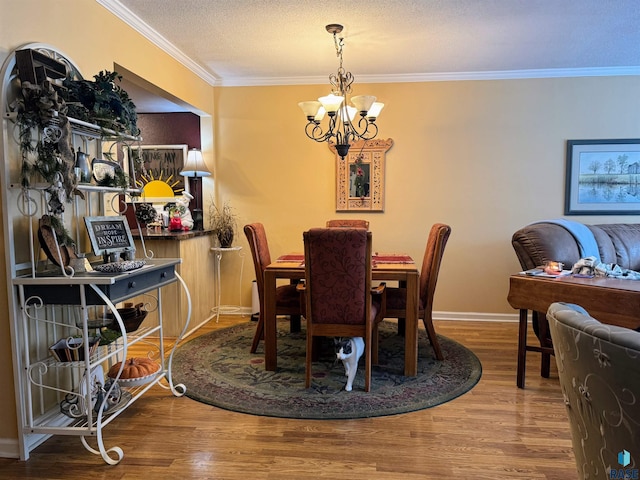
[360, 176]
[603, 177]
[162, 165]
[109, 235]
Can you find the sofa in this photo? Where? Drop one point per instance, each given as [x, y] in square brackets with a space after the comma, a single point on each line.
[534, 244]
[618, 243]
[600, 379]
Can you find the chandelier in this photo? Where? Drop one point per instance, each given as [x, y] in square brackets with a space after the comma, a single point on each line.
[347, 123]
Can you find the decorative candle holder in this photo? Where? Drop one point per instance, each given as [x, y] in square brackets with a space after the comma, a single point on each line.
[553, 268]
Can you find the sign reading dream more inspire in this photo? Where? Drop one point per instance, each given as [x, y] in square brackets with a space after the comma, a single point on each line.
[109, 234]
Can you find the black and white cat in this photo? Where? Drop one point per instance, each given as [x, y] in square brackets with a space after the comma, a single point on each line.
[349, 350]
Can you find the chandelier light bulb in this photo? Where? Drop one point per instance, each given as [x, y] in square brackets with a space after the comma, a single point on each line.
[320, 114]
[310, 109]
[374, 111]
[363, 103]
[331, 103]
[350, 111]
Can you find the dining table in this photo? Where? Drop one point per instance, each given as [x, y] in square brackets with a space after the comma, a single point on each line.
[385, 267]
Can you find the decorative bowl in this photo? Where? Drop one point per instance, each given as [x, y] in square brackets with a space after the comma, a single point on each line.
[132, 316]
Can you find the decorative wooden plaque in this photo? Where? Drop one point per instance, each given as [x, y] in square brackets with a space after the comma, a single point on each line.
[360, 176]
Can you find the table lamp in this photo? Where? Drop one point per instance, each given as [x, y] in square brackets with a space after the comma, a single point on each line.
[195, 169]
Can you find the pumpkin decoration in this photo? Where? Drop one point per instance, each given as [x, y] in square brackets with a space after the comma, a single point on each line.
[135, 368]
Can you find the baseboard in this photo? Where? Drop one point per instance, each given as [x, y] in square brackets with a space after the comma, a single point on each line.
[9, 448]
[458, 316]
[477, 316]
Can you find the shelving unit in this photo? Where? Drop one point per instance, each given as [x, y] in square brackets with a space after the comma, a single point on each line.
[49, 303]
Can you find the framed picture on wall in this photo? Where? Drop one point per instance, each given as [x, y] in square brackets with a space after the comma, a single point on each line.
[162, 166]
[360, 176]
[603, 177]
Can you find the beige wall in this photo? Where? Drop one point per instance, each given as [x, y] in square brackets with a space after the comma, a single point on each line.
[484, 156]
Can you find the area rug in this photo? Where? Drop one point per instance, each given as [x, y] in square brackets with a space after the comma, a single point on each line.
[217, 369]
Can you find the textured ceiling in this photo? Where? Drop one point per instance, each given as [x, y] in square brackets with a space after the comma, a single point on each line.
[261, 42]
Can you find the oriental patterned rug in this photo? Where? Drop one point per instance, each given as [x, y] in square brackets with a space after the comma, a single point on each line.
[217, 369]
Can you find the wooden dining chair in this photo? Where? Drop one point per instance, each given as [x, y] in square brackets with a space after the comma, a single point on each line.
[347, 224]
[287, 298]
[396, 297]
[337, 291]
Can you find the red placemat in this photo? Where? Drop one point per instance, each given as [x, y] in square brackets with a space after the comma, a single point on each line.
[377, 258]
[294, 257]
[391, 258]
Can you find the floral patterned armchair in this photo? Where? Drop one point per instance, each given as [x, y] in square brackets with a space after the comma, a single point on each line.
[599, 370]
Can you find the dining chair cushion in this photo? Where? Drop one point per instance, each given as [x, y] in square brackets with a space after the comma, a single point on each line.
[396, 299]
[287, 297]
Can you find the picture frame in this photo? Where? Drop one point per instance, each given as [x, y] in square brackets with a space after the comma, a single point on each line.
[602, 177]
[163, 163]
[360, 185]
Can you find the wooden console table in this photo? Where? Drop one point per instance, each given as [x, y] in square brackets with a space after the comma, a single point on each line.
[608, 300]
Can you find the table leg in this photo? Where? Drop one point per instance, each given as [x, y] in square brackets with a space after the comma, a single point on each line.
[401, 322]
[522, 347]
[411, 324]
[218, 286]
[241, 255]
[270, 322]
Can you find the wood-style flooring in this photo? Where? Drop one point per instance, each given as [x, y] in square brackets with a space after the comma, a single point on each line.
[495, 431]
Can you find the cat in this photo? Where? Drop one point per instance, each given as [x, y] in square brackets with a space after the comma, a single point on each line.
[349, 350]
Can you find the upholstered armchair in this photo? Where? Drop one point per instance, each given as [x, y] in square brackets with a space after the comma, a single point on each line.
[599, 370]
[337, 291]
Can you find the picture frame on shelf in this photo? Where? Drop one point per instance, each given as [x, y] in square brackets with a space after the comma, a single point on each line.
[162, 165]
[602, 177]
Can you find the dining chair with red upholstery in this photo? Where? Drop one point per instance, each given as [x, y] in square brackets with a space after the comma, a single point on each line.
[287, 298]
[346, 223]
[396, 297]
[337, 292]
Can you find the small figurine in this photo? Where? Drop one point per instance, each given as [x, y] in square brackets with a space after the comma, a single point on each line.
[182, 206]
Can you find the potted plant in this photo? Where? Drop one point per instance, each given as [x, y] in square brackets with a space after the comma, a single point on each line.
[223, 222]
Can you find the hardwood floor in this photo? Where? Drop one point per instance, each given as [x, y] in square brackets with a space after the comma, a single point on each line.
[495, 431]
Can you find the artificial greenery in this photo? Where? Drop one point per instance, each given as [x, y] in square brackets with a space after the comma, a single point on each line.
[118, 179]
[62, 235]
[45, 108]
[145, 213]
[223, 222]
[102, 102]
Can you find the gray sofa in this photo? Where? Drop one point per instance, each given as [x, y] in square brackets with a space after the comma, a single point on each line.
[599, 370]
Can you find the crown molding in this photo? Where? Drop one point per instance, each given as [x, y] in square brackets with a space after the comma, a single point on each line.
[135, 22]
[127, 16]
[438, 77]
